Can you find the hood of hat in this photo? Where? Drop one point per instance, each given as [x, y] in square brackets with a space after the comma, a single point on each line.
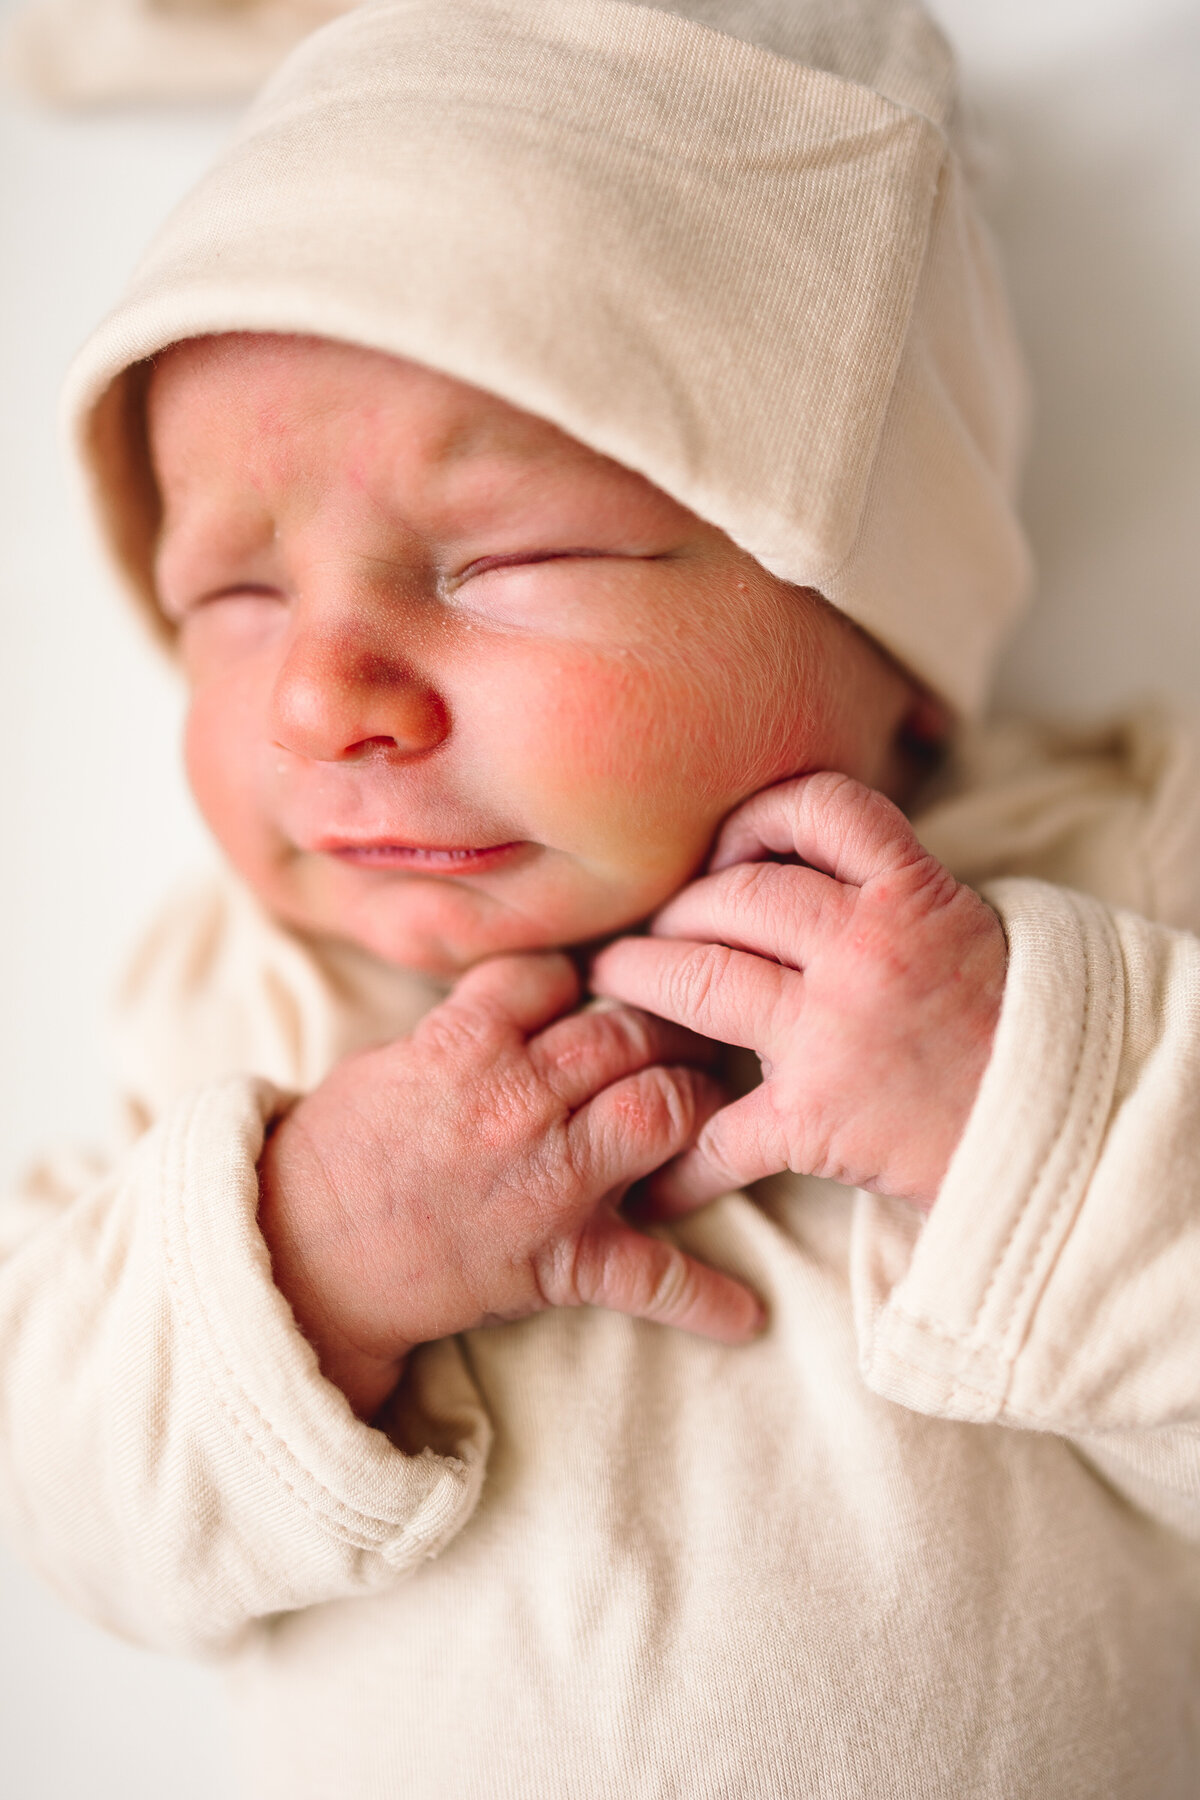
[741, 261]
[895, 49]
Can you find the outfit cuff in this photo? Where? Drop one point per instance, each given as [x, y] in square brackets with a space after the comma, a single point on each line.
[262, 1373]
[944, 1304]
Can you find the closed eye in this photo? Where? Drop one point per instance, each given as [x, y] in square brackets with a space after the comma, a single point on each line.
[523, 558]
[177, 611]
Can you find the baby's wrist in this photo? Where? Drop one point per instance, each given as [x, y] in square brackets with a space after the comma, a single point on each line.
[366, 1381]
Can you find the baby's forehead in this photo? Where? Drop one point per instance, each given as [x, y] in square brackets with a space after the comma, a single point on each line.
[310, 390]
[251, 433]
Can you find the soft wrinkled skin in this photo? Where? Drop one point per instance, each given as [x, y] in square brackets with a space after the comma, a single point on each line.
[866, 979]
[472, 1173]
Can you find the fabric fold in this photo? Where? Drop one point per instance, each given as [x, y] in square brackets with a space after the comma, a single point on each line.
[146, 1343]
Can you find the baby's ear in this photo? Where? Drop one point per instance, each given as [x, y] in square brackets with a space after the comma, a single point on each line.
[926, 728]
[931, 718]
[923, 739]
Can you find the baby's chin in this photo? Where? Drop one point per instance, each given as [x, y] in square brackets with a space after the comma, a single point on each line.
[442, 928]
[443, 956]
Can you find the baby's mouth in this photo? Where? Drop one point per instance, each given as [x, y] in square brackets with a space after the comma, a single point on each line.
[430, 859]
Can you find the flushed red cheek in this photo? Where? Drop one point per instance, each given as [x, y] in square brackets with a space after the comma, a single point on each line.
[621, 766]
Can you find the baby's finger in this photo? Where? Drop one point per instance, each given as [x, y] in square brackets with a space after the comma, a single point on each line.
[526, 991]
[835, 823]
[721, 993]
[738, 1145]
[579, 1055]
[770, 909]
[638, 1123]
[619, 1268]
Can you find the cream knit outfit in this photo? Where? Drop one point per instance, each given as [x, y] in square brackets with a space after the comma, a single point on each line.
[931, 1537]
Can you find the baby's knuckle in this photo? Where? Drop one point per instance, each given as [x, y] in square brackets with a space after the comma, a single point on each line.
[859, 819]
[671, 1282]
[749, 885]
[456, 1031]
[929, 887]
[621, 1033]
[554, 1271]
[632, 1032]
[659, 1106]
[694, 977]
[831, 788]
[879, 826]
[498, 1123]
[593, 1271]
[829, 797]
[710, 1147]
[510, 1112]
[833, 911]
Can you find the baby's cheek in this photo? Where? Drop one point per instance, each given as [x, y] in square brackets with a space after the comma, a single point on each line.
[211, 762]
[621, 767]
[226, 763]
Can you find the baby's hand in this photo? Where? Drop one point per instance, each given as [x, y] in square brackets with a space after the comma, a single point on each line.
[868, 983]
[472, 1173]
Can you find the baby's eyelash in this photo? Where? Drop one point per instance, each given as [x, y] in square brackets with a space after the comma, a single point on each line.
[178, 611]
[522, 558]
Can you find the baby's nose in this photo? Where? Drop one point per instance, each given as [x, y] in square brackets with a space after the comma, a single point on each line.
[335, 700]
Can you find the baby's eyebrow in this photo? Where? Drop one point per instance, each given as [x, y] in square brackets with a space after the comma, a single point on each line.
[509, 437]
[490, 434]
[463, 439]
[223, 532]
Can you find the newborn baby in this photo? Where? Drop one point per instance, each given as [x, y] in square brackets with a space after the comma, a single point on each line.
[570, 446]
[462, 687]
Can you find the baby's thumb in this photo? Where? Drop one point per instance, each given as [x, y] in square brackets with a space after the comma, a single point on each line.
[527, 990]
[628, 1272]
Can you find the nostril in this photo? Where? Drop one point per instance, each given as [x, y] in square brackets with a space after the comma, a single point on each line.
[367, 748]
[386, 742]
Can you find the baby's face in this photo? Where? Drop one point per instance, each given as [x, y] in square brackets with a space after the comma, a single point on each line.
[458, 684]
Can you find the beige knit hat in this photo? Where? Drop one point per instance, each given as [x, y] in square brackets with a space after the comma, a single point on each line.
[727, 242]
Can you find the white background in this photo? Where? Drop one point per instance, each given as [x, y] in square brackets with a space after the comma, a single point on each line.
[1092, 111]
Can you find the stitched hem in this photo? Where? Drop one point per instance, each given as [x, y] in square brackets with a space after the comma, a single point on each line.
[440, 1490]
[953, 1324]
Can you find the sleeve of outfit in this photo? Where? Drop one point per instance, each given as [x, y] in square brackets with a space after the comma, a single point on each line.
[171, 1459]
[1055, 1285]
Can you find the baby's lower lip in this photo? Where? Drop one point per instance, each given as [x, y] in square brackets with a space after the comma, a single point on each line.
[428, 858]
